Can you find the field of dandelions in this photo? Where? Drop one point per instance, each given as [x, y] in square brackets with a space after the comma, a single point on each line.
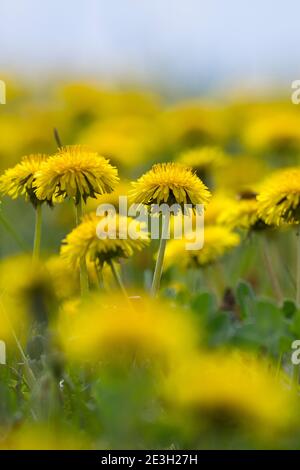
[138, 344]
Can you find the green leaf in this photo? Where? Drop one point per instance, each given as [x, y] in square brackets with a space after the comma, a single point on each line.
[204, 304]
[245, 298]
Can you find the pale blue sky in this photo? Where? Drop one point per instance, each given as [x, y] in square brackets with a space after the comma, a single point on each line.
[183, 42]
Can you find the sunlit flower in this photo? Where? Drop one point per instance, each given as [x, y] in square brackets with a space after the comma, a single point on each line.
[21, 179]
[105, 328]
[83, 241]
[233, 386]
[170, 183]
[279, 199]
[75, 172]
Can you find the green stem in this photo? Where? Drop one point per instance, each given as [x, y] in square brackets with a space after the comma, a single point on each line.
[117, 277]
[295, 377]
[270, 268]
[298, 269]
[12, 232]
[160, 258]
[37, 233]
[99, 274]
[84, 280]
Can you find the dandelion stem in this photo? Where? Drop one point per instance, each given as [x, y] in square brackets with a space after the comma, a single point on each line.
[298, 268]
[117, 276]
[160, 258]
[99, 274]
[37, 233]
[84, 280]
[57, 137]
[11, 231]
[270, 268]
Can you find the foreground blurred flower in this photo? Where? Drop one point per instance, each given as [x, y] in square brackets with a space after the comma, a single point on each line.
[78, 173]
[83, 241]
[235, 387]
[21, 181]
[218, 240]
[102, 328]
[168, 183]
[38, 437]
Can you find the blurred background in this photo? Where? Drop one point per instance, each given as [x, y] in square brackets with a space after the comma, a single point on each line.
[188, 46]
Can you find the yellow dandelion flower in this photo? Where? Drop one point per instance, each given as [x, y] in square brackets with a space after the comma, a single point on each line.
[203, 159]
[75, 172]
[215, 208]
[83, 241]
[21, 179]
[279, 199]
[218, 240]
[240, 173]
[170, 183]
[40, 437]
[193, 123]
[242, 213]
[275, 131]
[237, 386]
[104, 328]
[127, 141]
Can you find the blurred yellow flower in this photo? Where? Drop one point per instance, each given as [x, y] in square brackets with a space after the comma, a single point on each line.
[128, 141]
[203, 159]
[170, 183]
[21, 179]
[232, 385]
[75, 172]
[218, 240]
[274, 132]
[83, 241]
[241, 173]
[193, 123]
[41, 437]
[105, 328]
[242, 213]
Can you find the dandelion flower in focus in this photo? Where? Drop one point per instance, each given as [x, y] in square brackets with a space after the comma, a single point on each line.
[170, 183]
[75, 172]
[84, 242]
[21, 179]
[279, 199]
